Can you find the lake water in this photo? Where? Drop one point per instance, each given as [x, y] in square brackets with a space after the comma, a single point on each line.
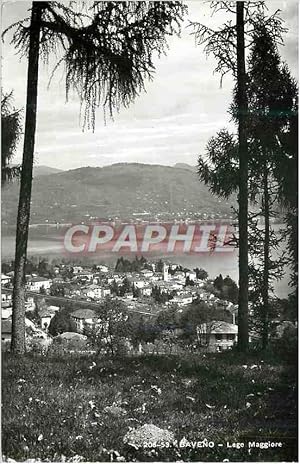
[214, 263]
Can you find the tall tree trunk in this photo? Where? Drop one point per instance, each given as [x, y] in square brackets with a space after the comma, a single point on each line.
[243, 335]
[18, 314]
[265, 289]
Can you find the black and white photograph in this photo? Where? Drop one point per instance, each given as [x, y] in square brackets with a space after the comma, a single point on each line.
[149, 231]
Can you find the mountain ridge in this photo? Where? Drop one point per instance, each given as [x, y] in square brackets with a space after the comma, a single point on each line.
[120, 190]
[43, 170]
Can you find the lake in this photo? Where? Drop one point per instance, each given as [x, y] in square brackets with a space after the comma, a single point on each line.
[50, 244]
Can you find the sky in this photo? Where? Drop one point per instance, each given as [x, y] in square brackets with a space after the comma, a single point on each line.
[170, 123]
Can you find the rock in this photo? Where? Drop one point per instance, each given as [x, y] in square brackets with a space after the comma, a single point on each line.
[147, 434]
[115, 411]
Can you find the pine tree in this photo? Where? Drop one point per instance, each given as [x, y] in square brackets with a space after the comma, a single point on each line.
[10, 135]
[228, 45]
[108, 54]
[271, 109]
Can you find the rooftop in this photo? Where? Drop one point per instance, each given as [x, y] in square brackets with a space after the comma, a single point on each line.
[39, 279]
[84, 314]
[45, 312]
[72, 336]
[6, 326]
[221, 327]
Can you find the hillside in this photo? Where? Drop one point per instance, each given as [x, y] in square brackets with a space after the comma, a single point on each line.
[122, 190]
[40, 170]
[185, 166]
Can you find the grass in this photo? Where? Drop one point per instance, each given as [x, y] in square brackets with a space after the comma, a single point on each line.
[53, 408]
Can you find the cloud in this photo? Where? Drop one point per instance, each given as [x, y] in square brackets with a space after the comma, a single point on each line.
[183, 105]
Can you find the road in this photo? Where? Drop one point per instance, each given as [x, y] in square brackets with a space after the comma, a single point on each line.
[83, 303]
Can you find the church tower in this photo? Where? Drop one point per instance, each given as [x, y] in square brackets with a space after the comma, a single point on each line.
[165, 273]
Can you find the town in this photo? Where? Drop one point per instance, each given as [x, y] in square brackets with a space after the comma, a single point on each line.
[66, 301]
[149, 278]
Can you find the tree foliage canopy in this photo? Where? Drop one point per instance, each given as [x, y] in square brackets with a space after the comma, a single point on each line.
[10, 135]
[107, 49]
[222, 44]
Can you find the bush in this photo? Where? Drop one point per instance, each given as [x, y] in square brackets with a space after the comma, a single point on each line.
[286, 347]
[121, 347]
[62, 346]
[38, 346]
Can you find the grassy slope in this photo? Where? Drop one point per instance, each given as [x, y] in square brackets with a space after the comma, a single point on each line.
[47, 415]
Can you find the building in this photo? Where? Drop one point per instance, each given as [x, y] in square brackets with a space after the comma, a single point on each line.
[6, 297]
[146, 291]
[147, 273]
[96, 292]
[155, 278]
[77, 269]
[58, 280]
[83, 277]
[5, 279]
[35, 284]
[6, 313]
[137, 280]
[118, 278]
[173, 266]
[29, 303]
[165, 272]
[191, 275]
[102, 268]
[83, 317]
[175, 285]
[54, 308]
[167, 287]
[218, 335]
[181, 300]
[46, 315]
[179, 276]
[6, 329]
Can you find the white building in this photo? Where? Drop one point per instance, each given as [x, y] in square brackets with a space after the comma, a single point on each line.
[165, 272]
[175, 285]
[6, 313]
[77, 269]
[55, 309]
[218, 335]
[173, 266]
[97, 292]
[137, 282]
[181, 300]
[6, 297]
[191, 275]
[5, 279]
[179, 276]
[146, 291]
[84, 276]
[102, 268]
[83, 317]
[29, 304]
[147, 273]
[35, 284]
[46, 315]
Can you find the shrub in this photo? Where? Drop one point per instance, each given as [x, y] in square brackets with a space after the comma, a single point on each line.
[286, 347]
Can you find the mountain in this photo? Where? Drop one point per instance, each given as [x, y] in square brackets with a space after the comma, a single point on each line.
[124, 190]
[40, 170]
[185, 166]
